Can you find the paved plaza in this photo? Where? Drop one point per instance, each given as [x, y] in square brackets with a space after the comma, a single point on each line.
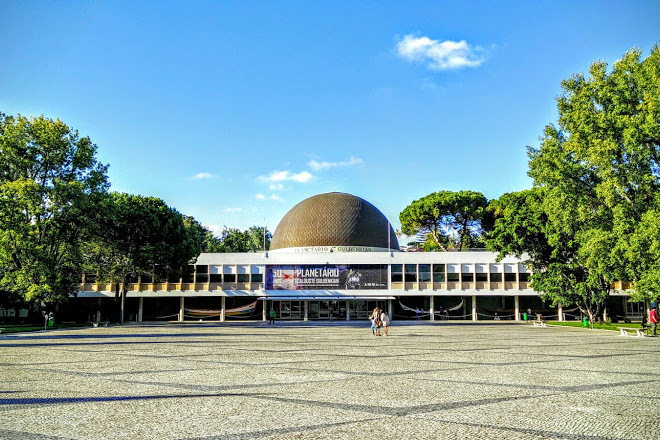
[311, 380]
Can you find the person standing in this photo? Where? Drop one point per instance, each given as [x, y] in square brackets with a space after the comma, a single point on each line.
[375, 322]
[385, 322]
[271, 316]
[653, 319]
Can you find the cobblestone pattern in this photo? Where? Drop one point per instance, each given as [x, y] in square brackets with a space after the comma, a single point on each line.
[294, 380]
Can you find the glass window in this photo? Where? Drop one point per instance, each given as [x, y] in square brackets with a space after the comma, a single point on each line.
[453, 277]
[202, 278]
[216, 278]
[495, 277]
[230, 278]
[524, 277]
[482, 277]
[257, 278]
[202, 269]
[510, 277]
[468, 277]
[425, 272]
[243, 278]
[438, 273]
[397, 273]
[411, 273]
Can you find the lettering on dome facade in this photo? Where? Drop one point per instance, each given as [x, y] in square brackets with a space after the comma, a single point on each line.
[319, 249]
[326, 277]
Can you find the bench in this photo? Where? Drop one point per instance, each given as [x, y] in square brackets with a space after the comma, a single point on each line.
[625, 330]
[539, 323]
[103, 323]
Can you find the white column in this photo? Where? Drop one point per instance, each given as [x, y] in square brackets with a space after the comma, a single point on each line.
[181, 309]
[474, 307]
[140, 309]
[306, 308]
[431, 308]
[348, 311]
[98, 312]
[222, 309]
[605, 314]
[560, 312]
[517, 311]
[389, 309]
[264, 307]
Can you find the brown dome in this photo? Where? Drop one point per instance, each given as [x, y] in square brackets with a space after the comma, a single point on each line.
[334, 219]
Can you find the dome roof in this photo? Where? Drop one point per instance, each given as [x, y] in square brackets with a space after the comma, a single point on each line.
[334, 219]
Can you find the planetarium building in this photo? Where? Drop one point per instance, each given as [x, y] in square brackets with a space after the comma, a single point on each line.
[333, 256]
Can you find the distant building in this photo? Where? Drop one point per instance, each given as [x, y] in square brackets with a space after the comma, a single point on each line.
[336, 254]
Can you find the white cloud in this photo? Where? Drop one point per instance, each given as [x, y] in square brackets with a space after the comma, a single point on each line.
[232, 210]
[275, 187]
[260, 197]
[272, 197]
[439, 55]
[279, 176]
[215, 229]
[316, 165]
[200, 176]
[276, 197]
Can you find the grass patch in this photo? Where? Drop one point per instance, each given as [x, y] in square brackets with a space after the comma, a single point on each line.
[18, 328]
[598, 326]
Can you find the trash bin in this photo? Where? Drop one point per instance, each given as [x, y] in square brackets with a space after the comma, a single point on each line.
[585, 322]
[51, 322]
[524, 316]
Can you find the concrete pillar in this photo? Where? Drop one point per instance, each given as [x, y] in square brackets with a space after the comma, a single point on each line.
[431, 308]
[517, 306]
[181, 309]
[264, 307]
[474, 307]
[560, 312]
[389, 309]
[98, 312]
[306, 308]
[348, 311]
[222, 308]
[605, 314]
[140, 309]
[464, 309]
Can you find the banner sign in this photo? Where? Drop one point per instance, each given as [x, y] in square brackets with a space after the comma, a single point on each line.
[326, 277]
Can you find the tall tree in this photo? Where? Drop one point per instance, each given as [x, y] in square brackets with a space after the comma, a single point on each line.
[141, 235]
[600, 167]
[445, 219]
[254, 239]
[50, 186]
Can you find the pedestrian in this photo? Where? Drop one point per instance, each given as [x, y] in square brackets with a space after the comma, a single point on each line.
[385, 322]
[375, 322]
[272, 316]
[331, 313]
[417, 312]
[653, 319]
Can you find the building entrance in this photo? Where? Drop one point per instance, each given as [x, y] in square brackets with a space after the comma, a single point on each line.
[326, 310]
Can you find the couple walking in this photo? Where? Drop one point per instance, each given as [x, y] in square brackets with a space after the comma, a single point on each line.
[379, 319]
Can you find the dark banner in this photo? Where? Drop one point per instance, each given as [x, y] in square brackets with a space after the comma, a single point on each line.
[326, 277]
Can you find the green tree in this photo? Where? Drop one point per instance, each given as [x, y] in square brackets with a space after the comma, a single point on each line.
[600, 168]
[141, 235]
[523, 228]
[254, 239]
[50, 186]
[446, 219]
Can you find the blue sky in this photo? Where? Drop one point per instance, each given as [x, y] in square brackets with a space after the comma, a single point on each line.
[233, 112]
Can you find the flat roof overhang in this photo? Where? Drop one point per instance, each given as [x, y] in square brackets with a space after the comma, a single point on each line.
[324, 298]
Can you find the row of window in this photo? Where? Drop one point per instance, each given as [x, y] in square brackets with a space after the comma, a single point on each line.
[436, 272]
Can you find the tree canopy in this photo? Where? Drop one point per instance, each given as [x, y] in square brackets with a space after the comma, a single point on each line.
[50, 185]
[446, 219]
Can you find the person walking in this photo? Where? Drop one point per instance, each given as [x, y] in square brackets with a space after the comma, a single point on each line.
[385, 322]
[653, 319]
[271, 316]
[375, 322]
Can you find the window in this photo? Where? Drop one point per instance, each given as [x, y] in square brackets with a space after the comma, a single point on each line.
[216, 278]
[482, 277]
[257, 278]
[411, 273]
[524, 277]
[510, 277]
[468, 277]
[202, 269]
[243, 278]
[496, 277]
[202, 278]
[452, 277]
[438, 273]
[230, 278]
[425, 273]
[397, 273]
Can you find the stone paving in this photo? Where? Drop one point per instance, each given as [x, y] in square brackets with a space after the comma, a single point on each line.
[318, 380]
